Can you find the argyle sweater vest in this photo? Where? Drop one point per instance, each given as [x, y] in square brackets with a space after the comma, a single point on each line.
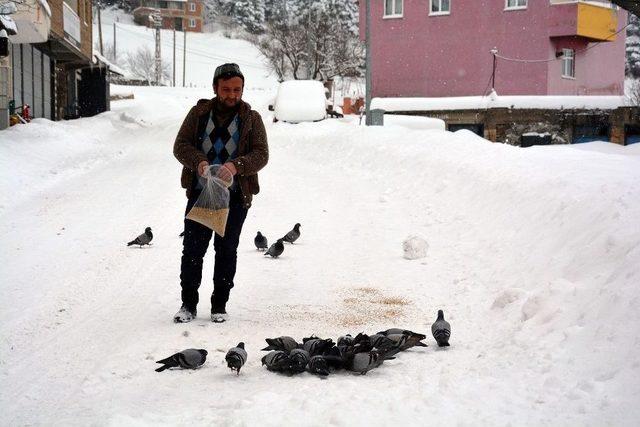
[219, 144]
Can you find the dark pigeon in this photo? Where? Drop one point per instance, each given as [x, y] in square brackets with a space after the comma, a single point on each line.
[393, 331]
[260, 242]
[405, 341]
[190, 358]
[277, 361]
[236, 357]
[318, 365]
[283, 343]
[441, 330]
[345, 340]
[276, 249]
[143, 239]
[298, 360]
[317, 346]
[292, 235]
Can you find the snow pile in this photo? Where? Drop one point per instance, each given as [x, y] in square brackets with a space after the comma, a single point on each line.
[415, 247]
[414, 122]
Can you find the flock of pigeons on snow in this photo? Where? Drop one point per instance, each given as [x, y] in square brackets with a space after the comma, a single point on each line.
[275, 250]
[358, 354]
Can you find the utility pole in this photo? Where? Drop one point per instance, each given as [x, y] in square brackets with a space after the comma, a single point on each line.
[184, 58]
[100, 28]
[114, 42]
[157, 22]
[494, 52]
[174, 56]
[368, 64]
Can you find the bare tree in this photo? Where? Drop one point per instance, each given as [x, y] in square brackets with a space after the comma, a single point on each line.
[315, 46]
[143, 64]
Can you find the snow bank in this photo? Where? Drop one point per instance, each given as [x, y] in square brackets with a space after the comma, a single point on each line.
[414, 122]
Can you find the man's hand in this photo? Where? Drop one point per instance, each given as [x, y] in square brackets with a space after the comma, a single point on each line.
[231, 167]
[203, 167]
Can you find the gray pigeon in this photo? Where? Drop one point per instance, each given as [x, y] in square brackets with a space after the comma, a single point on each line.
[143, 239]
[394, 331]
[318, 365]
[299, 359]
[190, 358]
[276, 361]
[292, 235]
[236, 357]
[441, 330]
[364, 362]
[405, 341]
[381, 342]
[260, 242]
[276, 249]
[283, 343]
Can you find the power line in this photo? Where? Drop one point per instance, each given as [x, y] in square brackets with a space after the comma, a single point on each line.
[192, 51]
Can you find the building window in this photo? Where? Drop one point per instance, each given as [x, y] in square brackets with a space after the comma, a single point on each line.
[192, 7]
[440, 7]
[516, 4]
[393, 8]
[192, 23]
[568, 63]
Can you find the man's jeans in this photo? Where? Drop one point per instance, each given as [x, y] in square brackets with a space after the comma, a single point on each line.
[195, 244]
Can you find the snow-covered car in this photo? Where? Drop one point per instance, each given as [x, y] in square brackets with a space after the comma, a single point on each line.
[300, 101]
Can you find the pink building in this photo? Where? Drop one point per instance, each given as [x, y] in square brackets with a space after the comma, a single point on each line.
[435, 48]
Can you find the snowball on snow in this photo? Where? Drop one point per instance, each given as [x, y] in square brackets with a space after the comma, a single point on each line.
[415, 247]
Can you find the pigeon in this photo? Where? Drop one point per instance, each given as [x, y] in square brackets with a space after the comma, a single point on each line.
[292, 235]
[143, 239]
[441, 330]
[318, 365]
[276, 249]
[283, 343]
[381, 342]
[260, 242]
[276, 361]
[190, 358]
[345, 340]
[364, 362]
[405, 341]
[394, 331]
[298, 360]
[236, 357]
[316, 346]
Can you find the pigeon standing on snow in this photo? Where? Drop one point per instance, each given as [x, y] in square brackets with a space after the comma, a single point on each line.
[276, 249]
[276, 361]
[260, 242]
[236, 357]
[283, 343]
[292, 235]
[441, 330]
[318, 365]
[190, 358]
[143, 239]
[298, 360]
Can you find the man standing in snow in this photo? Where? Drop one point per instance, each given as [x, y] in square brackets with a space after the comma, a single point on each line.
[223, 131]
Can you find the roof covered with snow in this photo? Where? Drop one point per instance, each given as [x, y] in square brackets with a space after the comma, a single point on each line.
[516, 102]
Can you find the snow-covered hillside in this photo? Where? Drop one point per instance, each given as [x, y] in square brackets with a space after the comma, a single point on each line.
[533, 254]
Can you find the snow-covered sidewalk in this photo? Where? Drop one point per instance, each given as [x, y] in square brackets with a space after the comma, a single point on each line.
[534, 254]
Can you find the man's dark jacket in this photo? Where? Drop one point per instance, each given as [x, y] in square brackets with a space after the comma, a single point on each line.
[253, 151]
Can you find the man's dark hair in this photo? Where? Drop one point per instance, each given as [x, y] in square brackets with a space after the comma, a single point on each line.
[227, 71]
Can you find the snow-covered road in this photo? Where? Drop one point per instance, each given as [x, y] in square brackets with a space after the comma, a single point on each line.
[534, 254]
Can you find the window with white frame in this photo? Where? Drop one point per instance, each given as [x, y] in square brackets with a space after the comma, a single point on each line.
[192, 7]
[192, 23]
[516, 4]
[440, 7]
[393, 8]
[568, 63]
